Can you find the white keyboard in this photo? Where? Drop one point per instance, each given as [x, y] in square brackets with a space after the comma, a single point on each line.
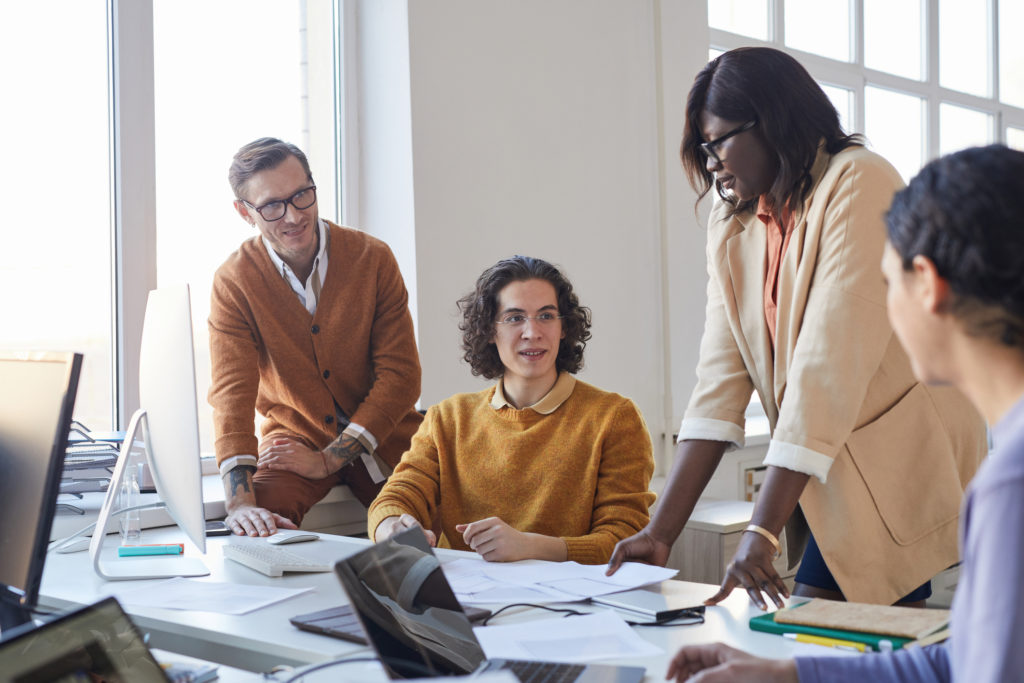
[272, 560]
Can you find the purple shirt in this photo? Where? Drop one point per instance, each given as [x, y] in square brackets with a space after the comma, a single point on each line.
[987, 642]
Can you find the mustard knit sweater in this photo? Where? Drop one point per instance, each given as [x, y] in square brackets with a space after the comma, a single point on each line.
[580, 473]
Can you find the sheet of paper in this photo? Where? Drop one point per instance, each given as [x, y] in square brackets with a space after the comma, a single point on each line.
[476, 581]
[205, 596]
[603, 635]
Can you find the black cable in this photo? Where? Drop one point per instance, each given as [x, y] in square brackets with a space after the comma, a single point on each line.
[426, 671]
[696, 616]
[568, 612]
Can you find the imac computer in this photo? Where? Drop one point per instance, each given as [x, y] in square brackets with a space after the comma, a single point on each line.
[167, 425]
[37, 396]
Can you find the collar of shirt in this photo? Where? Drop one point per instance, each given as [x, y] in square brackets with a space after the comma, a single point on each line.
[305, 290]
[766, 217]
[548, 404]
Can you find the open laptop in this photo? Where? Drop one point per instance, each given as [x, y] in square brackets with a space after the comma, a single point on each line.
[413, 621]
[98, 642]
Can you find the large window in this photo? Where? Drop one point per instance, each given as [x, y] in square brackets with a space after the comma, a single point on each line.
[56, 274]
[224, 73]
[249, 69]
[917, 78]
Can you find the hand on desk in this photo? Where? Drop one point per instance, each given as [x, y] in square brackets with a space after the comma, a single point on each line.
[256, 521]
[496, 541]
[641, 547]
[752, 568]
[718, 662]
[390, 526]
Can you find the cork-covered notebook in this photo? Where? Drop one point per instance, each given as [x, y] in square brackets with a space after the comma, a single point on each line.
[902, 622]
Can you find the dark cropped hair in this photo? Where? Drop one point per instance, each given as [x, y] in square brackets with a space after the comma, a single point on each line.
[260, 155]
[793, 115]
[965, 213]
[480, 310]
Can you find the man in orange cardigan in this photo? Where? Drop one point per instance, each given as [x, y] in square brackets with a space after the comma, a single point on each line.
[309, 327]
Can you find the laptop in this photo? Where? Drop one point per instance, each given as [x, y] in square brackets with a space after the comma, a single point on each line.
[95, 643]
[342, 622]
[416, 626]
[665, 601]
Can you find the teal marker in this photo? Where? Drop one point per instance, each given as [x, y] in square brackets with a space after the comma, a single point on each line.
[157, 549]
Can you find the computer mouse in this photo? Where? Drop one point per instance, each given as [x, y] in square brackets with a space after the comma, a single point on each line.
[284, 536]
[75, 546]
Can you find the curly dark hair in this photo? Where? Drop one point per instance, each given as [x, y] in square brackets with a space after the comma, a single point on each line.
[792, 112]
[480, 308]
[965, 213]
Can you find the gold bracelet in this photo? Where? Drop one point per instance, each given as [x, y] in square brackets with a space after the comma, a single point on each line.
[764, 533]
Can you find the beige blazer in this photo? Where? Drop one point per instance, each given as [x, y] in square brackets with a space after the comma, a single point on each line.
[889, 456]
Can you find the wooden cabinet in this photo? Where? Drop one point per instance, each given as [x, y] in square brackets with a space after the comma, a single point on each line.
[709, 541]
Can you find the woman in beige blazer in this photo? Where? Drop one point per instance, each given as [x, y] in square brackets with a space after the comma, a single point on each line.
[872, 461]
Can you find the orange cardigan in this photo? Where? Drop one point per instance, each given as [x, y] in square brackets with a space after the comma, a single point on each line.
[270, 355]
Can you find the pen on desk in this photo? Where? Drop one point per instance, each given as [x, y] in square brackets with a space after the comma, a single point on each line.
[827, 642]
[155, 549]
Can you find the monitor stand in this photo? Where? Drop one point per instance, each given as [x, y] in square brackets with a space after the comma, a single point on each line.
[131, 568]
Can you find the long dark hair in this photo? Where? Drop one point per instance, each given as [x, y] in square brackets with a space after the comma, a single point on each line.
[793, 115]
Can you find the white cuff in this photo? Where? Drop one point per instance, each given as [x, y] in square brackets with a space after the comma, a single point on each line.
[798, 459]
[363, 435]
[709, 429]
[236, 460]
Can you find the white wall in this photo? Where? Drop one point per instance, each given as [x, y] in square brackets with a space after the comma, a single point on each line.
[548, 128]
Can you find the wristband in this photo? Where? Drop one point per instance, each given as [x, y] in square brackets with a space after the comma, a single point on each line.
[769, 536]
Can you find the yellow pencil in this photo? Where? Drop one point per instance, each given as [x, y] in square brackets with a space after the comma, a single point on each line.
[827, 642]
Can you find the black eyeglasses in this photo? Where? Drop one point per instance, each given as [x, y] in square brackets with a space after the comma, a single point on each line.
[709, 147]
[275, 210]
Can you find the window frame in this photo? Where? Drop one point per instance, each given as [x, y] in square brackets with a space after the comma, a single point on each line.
[132, 133]
[855, 76]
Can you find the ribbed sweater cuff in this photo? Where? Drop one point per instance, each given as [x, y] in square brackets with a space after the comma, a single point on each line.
[378, 515]
[584, 551]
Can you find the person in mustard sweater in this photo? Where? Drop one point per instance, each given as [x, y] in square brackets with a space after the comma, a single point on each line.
[541, 465]
[309, 327]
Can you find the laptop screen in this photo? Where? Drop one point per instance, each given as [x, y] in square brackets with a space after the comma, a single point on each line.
[98, 642]
[408, 609]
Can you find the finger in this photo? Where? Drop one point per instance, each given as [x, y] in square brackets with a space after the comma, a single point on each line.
[723, 591]
[766, 583]
[283, 522]
[618, 555]
[431, 537]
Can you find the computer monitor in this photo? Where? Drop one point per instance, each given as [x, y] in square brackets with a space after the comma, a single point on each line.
[168, 424]
[37, 396]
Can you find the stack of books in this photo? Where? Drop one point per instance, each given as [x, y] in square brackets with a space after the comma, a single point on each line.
[859, 626]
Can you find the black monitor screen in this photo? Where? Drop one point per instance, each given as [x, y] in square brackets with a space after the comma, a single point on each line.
[37, 396]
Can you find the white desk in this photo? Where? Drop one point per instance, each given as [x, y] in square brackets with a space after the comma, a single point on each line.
[259, 640]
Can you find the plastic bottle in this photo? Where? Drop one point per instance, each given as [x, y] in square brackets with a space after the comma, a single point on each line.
[131, 524]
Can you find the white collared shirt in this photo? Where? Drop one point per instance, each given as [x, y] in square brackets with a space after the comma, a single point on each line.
[308, 291]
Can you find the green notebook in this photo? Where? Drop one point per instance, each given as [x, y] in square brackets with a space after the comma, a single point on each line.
[766, 623]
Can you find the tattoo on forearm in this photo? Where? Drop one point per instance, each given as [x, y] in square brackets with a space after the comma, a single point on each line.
[239, 477]
[343, 451]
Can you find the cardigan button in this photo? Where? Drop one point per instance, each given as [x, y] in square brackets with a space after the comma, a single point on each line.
[315, 329]
[329, 419]
[327, 373]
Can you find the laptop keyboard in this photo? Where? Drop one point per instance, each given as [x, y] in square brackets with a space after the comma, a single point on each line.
[541, 672]
[272, 560]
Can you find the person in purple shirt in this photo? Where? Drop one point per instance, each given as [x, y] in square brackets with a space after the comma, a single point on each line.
[954, 266]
